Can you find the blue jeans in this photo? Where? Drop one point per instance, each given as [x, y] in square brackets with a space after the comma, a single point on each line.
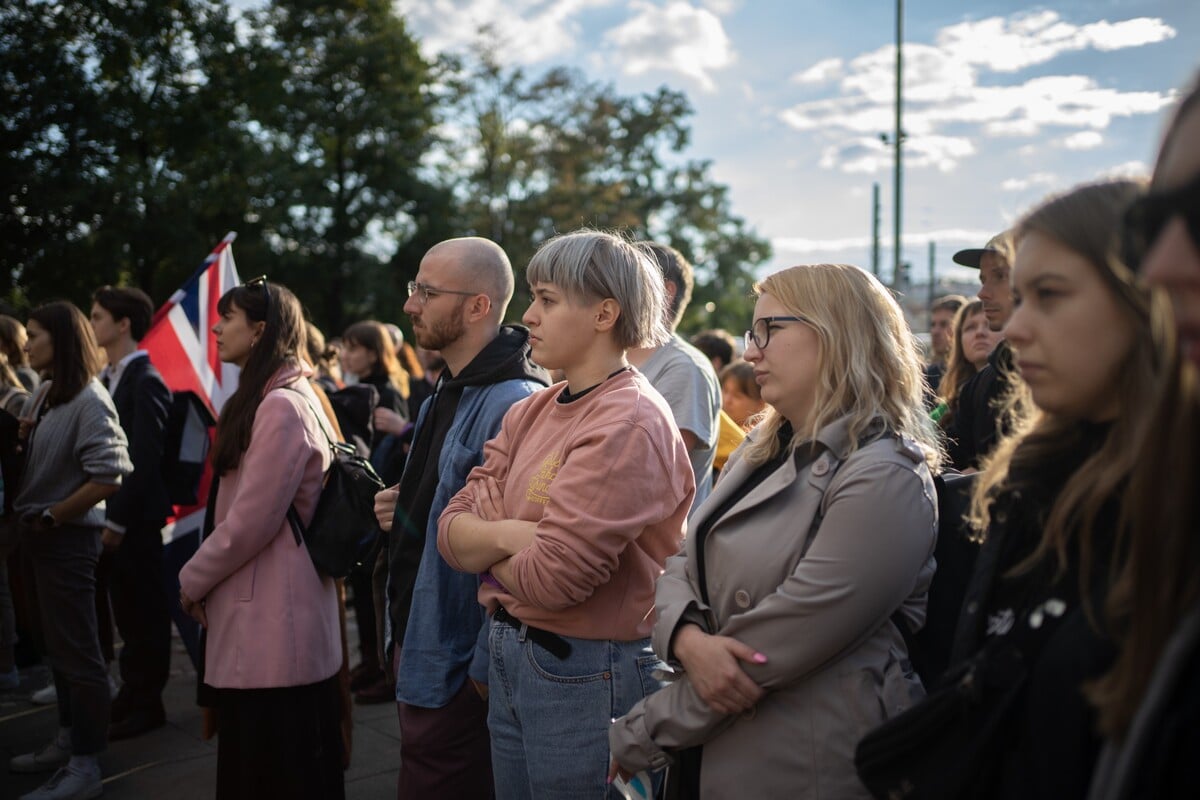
[549, 718]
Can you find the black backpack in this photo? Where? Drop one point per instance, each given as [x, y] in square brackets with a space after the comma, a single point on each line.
[955, 553]
[344, 530]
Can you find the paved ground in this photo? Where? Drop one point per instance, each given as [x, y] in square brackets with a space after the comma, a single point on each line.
[173, 762]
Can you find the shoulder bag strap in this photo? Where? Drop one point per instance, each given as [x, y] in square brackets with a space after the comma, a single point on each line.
[210, 507]
[293, 516]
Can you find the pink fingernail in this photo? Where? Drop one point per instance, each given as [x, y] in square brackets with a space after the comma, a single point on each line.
[608, 780]
[759, 658]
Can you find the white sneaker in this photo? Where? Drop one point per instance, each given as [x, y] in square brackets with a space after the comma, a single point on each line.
[68, 784]
[50, 757]
[45, 696]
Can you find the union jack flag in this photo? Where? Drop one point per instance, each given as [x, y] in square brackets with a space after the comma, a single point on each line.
[183, 348]
[180, 340]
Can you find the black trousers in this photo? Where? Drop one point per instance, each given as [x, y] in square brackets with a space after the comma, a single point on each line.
[140, 610]
[284, 742]
[64, 563]
[364, 615]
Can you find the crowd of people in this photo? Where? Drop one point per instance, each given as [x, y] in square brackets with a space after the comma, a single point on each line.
[616, 561]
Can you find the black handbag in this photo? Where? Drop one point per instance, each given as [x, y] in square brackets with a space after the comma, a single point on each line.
[952, 744]
[947, 745]
[344, 530]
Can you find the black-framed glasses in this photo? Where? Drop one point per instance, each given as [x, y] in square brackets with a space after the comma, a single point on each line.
[759, 334]
[261, 281]
[1147, 216]
[424, 291]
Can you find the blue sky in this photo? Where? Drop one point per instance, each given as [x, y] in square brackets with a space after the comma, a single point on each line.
[1007, 101]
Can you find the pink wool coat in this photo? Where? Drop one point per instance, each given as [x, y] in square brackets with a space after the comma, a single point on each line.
[272, 619]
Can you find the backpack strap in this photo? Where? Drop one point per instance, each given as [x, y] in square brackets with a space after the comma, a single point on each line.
[291, 388]
[293, 516]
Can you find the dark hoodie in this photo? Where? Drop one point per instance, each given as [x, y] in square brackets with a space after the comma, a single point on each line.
[507, 357]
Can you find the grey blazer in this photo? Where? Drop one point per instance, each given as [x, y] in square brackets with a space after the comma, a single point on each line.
[818, 607]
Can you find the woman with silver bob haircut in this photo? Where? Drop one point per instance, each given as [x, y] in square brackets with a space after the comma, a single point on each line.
[587, 265]
[581, 499]
[780, 610]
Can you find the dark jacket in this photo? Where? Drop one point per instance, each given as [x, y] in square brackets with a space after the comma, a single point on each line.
[464, 412]
[1157, 757]
[142, 401]
[976, 425]
[1051, 734]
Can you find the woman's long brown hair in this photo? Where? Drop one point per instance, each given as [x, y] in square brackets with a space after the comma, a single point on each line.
[76, 358]
[282, 341]
[1160, 580]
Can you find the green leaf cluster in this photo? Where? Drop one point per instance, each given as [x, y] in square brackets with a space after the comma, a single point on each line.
[135, 133]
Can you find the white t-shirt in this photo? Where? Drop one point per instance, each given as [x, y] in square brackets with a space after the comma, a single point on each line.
[685, 378]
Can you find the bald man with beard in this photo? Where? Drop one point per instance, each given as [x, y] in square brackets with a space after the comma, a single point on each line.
[435, 627]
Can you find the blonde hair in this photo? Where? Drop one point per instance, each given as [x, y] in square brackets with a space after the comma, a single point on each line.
[869, 362]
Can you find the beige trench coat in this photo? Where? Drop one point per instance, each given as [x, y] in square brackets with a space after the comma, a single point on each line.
[836, 663]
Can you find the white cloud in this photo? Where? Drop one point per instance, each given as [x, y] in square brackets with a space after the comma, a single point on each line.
[1084, 140]
[1129, 169]
[869, 155]
[677, 37]
[1131, 33]
[820, 72]
[1026, 39]
[944, 93]
[527, 31]
[1036, 179]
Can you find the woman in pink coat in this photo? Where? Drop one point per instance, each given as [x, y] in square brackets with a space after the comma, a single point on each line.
[273, 645]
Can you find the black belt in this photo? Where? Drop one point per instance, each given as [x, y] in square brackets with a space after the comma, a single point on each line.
[556, 645]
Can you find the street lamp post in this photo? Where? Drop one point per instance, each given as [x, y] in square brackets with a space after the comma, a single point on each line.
[897, 141]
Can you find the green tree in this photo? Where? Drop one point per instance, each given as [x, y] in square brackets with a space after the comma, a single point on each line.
[545, 155]
[340, 106]
[105, 108]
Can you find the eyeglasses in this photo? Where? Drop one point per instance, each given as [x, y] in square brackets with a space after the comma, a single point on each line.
[261, 281]
[1149, 214]
[759, 334]
[424, 291]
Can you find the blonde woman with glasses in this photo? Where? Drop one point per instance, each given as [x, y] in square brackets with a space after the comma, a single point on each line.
[780, 616]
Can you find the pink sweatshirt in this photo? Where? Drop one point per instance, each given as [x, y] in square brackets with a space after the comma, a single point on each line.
[608, 481]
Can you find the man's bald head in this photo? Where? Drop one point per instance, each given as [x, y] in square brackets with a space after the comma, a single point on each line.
[481, 264]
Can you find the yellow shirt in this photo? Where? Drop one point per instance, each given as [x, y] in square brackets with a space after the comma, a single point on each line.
[729, 436]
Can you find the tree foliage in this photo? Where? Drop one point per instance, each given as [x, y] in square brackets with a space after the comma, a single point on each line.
[105, 107]
[340, 111]
[549, 154]
[134, 134]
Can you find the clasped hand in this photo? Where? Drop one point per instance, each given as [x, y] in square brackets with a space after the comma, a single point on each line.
[192, 608]
[714, 666]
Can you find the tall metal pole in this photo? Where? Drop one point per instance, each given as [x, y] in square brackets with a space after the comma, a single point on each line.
[875, 229]
[897, 139]
[932, 280]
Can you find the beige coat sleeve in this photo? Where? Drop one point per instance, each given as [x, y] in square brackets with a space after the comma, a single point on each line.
[876, 537]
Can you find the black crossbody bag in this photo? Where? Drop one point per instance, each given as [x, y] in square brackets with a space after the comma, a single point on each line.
[949, 744]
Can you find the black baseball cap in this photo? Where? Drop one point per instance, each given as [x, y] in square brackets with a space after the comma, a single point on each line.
[973, 255]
